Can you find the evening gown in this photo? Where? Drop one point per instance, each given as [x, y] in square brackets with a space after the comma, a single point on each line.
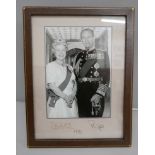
[56, 74]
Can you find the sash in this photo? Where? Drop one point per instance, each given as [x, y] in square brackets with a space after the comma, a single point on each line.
[88, 64]
[62, 87]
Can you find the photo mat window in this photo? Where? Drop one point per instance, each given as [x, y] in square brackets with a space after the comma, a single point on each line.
[71, 35]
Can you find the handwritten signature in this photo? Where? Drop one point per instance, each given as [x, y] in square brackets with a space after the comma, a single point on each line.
[65, 126]
[68, 126]
[61, 126]
[95, 125]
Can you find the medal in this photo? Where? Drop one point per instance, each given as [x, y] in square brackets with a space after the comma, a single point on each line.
[96, 73]
[96, 66]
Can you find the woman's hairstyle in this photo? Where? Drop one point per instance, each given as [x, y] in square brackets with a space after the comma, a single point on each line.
[56, 43]
[59, 42]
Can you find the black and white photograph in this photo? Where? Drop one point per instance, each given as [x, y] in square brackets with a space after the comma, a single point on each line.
[78, 76]
[78, 71]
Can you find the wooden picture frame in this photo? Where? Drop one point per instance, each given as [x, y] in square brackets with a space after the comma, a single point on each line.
[128, 14]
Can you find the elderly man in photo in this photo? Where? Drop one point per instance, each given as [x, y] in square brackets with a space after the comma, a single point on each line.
[92, 71]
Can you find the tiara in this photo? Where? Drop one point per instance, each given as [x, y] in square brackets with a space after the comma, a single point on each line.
[59, 41]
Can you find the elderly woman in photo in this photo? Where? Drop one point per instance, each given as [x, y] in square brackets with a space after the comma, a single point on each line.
[61, 85]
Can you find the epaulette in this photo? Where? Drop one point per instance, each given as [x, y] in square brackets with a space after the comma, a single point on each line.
[99, 54]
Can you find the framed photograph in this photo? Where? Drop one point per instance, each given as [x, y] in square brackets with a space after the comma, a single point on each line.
[78, 76]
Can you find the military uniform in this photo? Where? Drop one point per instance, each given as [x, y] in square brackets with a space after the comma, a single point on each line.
[92, 71]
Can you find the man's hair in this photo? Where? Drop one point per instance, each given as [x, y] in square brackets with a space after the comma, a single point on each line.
[87, 29]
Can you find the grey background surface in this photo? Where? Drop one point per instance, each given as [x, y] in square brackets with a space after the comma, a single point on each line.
[21, 128]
